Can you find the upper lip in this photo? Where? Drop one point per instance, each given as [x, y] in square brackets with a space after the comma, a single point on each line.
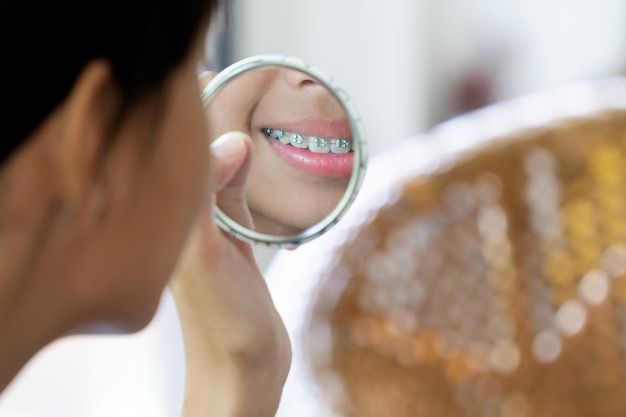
[329, 129]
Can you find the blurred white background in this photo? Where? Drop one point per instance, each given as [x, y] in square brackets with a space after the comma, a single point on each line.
[407, 64]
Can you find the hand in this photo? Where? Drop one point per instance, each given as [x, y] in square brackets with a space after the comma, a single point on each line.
[237, 349]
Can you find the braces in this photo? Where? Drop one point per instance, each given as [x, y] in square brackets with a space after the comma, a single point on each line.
[299, 139]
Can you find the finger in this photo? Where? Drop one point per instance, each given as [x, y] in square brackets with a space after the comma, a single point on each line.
[233, 153]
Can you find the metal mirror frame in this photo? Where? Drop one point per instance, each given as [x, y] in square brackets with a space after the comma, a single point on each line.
[359, 143]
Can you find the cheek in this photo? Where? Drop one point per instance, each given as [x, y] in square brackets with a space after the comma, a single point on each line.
[182, 175]
[149, 224]
[230, 110]
[191, 143]
[197, 157]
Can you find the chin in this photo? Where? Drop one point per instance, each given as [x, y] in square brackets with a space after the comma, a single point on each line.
[119, 326]
[120, 319]
[103, 328]
[137, 318]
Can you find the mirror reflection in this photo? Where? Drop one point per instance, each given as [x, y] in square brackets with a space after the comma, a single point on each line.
[304, 153]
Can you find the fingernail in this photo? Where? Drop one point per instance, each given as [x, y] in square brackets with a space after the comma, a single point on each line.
[229, 145]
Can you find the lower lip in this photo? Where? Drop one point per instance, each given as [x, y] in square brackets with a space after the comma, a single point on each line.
[326, 164]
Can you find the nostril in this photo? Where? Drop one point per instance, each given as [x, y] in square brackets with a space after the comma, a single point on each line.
[299, 79]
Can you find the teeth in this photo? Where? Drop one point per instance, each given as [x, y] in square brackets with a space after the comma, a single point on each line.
[284, 138]
[314, 144]
[298, 141]
[340, 146]
[276, 134]
[318, 145]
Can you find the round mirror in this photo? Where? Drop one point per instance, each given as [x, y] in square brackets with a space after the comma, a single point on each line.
[309, 153]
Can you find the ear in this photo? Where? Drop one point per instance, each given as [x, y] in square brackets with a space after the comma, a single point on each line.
[88, 112]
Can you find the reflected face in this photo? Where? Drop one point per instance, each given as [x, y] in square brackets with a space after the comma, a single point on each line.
[303, 157]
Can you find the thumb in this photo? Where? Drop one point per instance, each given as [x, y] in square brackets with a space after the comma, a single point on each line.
[233, 152]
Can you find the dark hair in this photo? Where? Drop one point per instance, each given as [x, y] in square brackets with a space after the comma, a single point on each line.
[45, 44]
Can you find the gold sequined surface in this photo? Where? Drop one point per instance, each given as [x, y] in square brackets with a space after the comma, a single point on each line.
[493, 287]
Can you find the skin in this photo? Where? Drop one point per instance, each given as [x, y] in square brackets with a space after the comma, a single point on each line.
[283, 199]
[91, 234]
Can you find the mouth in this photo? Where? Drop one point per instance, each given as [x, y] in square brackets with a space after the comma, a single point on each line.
[325, 156]
[314, 144]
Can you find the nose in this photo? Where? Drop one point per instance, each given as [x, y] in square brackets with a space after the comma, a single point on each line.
[300, 79]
